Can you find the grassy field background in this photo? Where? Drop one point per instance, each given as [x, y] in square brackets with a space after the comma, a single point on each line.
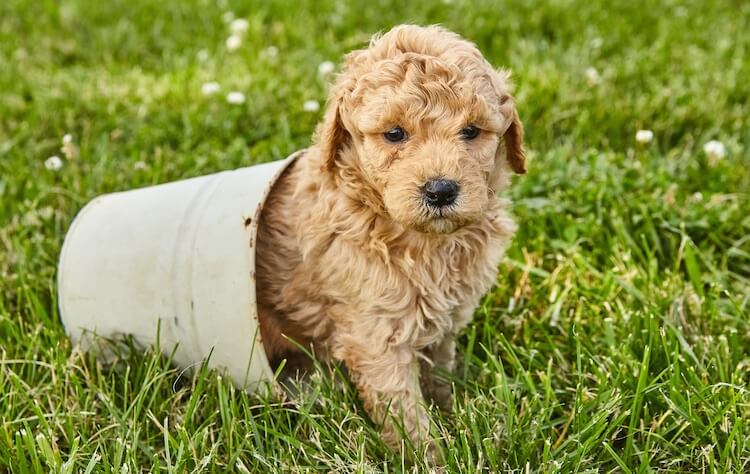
[617, 338]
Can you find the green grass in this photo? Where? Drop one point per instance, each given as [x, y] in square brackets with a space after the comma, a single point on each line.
[616, 340]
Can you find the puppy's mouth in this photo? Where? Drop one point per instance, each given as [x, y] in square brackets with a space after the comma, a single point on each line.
[418, 213]
[442, 213]
[440, 220]
[443, 226]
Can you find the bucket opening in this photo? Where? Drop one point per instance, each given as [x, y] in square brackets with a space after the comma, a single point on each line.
[288, 354]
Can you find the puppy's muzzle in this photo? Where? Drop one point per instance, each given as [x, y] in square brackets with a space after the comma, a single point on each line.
[439, 193]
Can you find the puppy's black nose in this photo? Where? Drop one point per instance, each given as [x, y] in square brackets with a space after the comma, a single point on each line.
[440, 192]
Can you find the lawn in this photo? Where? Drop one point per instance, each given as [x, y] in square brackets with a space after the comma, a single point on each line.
[617, 338]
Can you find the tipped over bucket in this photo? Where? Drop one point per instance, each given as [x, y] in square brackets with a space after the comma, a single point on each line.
[174, 261]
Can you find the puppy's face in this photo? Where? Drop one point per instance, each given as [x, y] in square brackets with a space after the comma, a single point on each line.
[428, 128]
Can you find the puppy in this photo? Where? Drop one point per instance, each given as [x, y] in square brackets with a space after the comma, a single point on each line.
[377, 244]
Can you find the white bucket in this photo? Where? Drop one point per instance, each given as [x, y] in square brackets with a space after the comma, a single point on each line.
[177, 262]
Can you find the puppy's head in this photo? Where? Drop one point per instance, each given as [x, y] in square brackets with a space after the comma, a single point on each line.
[431, 125]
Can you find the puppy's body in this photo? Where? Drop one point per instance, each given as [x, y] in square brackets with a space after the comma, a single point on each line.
[350, 259]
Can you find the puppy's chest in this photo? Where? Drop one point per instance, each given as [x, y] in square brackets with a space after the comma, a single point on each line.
[448, 284]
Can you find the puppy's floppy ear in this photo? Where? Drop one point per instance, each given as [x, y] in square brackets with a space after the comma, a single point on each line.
[513, 139]
[513, 136]
[331, 134]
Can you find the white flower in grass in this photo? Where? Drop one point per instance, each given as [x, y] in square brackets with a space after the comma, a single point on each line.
[234, 42]
[228, 17]
[236, 98]
[46, 212]
[715, 150]
[644, 136]
[325, 68]
[272, 51]
[592, 76]
[311, 106]
[139, 165]
[53, 163]
[596, 42]
[210, 88]
[68, 148]
[670, 197]
[239, 26]
[203, 55]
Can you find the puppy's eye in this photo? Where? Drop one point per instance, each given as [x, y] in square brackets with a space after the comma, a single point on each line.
[395, 135]
[469, 133]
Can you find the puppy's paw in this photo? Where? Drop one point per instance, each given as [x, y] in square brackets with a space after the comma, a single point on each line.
[437, 392]
[441, 394]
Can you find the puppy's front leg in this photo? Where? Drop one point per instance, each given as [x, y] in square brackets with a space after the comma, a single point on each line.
[388, 383]
[440, 356]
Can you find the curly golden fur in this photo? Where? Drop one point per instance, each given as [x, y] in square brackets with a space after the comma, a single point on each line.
[352, 261]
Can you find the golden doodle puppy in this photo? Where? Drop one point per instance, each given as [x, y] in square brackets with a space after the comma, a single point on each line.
[377, 244]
